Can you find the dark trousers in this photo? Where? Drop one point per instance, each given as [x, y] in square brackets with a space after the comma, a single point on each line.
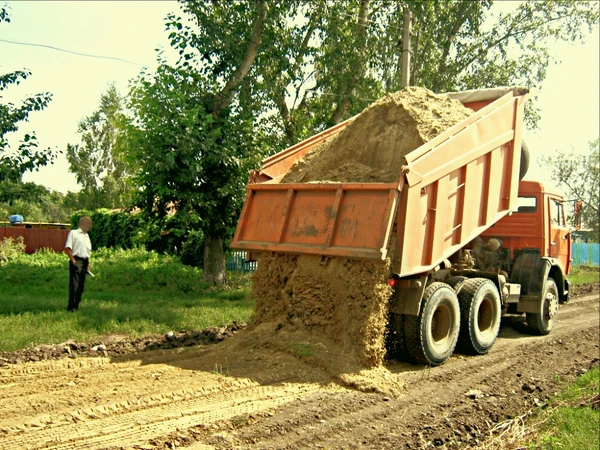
[77, 274]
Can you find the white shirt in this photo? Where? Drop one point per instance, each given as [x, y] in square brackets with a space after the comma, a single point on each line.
[79, 243]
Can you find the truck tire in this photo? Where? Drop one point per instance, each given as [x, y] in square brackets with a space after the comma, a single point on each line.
[480, 313]
[395, 343]
[543, 322]
[524, 167]
[431, 337]
[456, 283]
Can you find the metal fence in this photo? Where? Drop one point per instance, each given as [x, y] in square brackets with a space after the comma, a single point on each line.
[586, 254]
[236, 262]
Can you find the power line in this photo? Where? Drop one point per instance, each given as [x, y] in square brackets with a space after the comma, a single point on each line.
[70, 51]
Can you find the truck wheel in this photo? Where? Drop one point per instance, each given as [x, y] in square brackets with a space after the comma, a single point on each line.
[456, 283]
[431, 337]
[481, 311]
[543, 322]
[395, 343]
[524, 167]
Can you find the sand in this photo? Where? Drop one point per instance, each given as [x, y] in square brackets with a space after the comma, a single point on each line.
[333, 314]
[372, 147]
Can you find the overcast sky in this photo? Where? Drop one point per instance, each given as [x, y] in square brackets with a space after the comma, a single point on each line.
[569, 99]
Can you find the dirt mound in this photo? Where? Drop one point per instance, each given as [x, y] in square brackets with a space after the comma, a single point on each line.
[373, 146]
[121, 345]
[333, 313]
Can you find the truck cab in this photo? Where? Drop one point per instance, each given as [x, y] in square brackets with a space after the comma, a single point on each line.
[538, 225]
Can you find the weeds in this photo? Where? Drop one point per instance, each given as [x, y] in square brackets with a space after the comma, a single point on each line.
[10, 248]
[584, 275]
[570, 421]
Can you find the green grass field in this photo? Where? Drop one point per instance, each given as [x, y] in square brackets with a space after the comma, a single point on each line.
[584, 275]
[135, 292]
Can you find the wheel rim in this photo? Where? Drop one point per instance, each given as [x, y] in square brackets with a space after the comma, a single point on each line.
[550, 307]
[441, 324]
[485, 317]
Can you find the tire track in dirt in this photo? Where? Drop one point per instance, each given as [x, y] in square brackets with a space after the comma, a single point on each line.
[99, 403]
[433, 397]
[129, 428]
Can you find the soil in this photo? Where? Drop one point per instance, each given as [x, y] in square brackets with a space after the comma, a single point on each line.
[372, 147]
[120, 345]
[334, 312]
[199, 398]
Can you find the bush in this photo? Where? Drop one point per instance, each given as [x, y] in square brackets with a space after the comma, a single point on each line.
[10, 248]
[125, 230]
[113, 229]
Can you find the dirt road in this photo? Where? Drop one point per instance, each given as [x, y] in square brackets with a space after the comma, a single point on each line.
[181, 398]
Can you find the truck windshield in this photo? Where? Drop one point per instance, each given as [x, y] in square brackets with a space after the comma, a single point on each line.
[526, 204]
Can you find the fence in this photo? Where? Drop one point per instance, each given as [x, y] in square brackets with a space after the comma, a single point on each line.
[236, 262]
[38, 236]
[586, 254]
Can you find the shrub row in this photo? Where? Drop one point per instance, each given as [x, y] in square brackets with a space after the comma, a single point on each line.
[125, 230]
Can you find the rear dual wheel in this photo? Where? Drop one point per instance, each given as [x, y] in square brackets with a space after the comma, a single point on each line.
[431, 337]
[480, 311]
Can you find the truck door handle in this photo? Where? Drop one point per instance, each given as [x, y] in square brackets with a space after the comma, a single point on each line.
[553, 243]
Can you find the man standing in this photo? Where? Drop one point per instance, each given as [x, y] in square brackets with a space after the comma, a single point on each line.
[78, 248]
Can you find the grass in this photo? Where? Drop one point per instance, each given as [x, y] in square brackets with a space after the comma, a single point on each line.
[572, 423]
[584, 275]
[135, 292]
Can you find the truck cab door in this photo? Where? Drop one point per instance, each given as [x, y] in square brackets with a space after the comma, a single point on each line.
[559, 237]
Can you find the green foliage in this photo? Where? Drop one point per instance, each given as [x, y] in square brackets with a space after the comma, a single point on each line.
[580, 175]
[14, 162]
[332, 59]
[135, 292]
[10, 248]
[113, 229]
[97, 161]
[34, 202]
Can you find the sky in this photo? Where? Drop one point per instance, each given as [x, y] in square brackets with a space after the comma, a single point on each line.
[569, 99]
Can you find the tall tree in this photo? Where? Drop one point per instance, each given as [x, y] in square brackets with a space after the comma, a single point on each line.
[14, 162]
[193, 138]
[580, 175]
[97, 161]
[355, 51]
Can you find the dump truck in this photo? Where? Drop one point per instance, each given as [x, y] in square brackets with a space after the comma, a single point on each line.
[468, 240]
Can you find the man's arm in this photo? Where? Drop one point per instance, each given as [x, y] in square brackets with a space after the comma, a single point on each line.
[69, 253]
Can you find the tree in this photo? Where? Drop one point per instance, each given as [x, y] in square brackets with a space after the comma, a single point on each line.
[34, 202]
[580, 175]
[353, 50]
[192, 138]
[26, 157]
[97, 161]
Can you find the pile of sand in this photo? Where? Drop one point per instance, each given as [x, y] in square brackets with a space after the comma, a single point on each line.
[372, 147]
[332, 314]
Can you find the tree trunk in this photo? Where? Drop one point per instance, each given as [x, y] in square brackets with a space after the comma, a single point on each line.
[214, 260]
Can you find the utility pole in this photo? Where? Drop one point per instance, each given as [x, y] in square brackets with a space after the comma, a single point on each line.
[405, 81]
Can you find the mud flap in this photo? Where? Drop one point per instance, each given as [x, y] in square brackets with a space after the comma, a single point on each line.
[531, 272]
[407, 296]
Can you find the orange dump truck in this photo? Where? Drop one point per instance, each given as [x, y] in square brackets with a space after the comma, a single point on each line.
[468, 241]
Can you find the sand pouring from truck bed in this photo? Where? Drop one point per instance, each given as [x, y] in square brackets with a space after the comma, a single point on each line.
[333, 315]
